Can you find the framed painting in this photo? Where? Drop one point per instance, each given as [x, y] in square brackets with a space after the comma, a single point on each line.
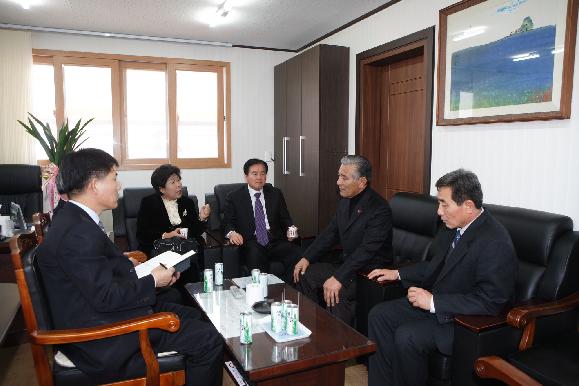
[506, 60]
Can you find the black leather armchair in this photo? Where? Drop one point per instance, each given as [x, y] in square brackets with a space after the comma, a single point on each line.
[125, 223]
[166, 370]
[21, 184]
[231, 253]
[548, 253]
[414, 225]
[127, 210]
[548, 350]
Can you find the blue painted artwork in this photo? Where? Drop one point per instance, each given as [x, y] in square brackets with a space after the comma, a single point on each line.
[496, 74]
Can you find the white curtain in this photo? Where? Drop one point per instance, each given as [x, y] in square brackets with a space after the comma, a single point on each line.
[16, 146]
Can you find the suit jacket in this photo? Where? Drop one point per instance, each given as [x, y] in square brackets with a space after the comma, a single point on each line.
[238, 213]
[89, 282]
[478, 277]
[153, 220]
[366, 236]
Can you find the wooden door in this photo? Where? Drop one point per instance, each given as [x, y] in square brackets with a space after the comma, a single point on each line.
[395, 115]
[402, 126]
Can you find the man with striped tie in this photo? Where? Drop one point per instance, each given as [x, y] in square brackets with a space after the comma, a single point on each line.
[472, 272]
[257, 219]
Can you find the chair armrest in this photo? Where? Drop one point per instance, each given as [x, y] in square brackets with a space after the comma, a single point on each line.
[520, 316]
[137, 255]
[167, 321]
[479, 323]
[494, 367]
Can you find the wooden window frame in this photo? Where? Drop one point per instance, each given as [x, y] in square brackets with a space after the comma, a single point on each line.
[118, 65]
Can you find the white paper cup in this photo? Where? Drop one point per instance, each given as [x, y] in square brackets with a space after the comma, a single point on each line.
[253, 293]
[184, 232]
[292, 232]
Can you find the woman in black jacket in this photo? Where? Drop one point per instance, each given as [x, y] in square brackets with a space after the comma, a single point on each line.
[167, 212]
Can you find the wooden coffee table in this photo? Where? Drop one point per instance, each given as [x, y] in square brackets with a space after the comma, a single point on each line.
[317, 360]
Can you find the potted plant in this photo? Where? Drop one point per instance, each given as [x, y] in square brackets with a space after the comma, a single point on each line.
[56, 148]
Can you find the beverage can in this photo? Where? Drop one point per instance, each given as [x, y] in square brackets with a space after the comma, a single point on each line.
[218, 273]
[245, 332]
[255, 275]
[292, 318]
[284, 305]
[208, 280]
[277, 317]
[263, 283]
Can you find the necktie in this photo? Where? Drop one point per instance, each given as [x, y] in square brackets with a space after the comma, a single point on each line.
[101, 225]
[429, 282]
[456, 238]
[260, 229]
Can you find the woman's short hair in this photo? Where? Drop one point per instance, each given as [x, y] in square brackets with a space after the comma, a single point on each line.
[161, 175]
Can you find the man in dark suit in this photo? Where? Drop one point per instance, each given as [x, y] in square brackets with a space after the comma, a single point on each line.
[363, 226]
[472, 272]
[90, 282]
[256, 218]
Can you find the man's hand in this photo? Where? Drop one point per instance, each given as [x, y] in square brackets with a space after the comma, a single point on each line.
[164, 276]
[332, 291]
[176, 232]
[300, 268]
[383, 274]
[236, 238]
[419, 297]
[204, 212]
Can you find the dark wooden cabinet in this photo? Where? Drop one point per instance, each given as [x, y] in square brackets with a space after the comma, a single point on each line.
[311, 132]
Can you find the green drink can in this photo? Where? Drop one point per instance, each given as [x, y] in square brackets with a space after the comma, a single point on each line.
[277, 317]
[245, 333]
[208, 280]
[284, 305]
[292, 317]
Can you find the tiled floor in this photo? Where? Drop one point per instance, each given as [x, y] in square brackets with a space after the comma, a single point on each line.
[17, 369]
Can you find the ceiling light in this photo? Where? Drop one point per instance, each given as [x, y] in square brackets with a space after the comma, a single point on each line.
[221, 13]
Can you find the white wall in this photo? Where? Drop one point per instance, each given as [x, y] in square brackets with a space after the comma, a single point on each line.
[251, 98]
[526, 164]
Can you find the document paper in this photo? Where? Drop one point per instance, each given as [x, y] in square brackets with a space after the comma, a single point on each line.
[169, 259]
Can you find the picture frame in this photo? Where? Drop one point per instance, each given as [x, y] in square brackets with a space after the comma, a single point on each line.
[505, 61]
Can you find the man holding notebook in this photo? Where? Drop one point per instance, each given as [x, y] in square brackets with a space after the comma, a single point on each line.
[90, 282]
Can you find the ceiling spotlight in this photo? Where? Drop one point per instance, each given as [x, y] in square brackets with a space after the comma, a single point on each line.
[224, 8]
[219, 16]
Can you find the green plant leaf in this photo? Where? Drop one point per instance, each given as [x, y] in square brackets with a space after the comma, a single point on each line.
[66, 140]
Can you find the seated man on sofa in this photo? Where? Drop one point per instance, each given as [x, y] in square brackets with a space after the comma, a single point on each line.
[472, 272]
[257, 219]
[362, 225]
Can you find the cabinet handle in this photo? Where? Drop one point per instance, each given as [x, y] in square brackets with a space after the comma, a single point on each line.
[284, 151]
[302, 138]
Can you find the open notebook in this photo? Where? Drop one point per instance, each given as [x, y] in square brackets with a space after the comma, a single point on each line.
[168, 259]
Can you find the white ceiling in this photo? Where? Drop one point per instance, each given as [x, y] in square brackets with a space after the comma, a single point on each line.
[282, 24]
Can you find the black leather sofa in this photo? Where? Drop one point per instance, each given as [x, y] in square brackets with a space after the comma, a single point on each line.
[125, 223]
[548, 253]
